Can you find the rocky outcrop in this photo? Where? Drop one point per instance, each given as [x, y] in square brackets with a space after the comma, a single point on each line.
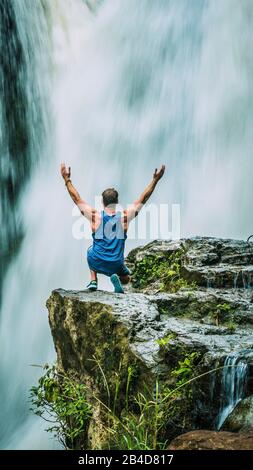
[210, 440]
[241, 417]
[190, 298]
[210, 262]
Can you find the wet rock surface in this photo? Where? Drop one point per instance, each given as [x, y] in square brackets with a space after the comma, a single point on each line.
[210, 262]
[241, 417]
[147, 319]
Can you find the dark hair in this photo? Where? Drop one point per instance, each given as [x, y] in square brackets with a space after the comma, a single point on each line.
[110, 196]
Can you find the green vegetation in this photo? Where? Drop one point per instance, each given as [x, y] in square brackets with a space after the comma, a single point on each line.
[185, 368]
[180, 392]
[163, 342]
[131, 372]
[223, 314]
[61, 401]
[166, 271]
[141, 424]
[139, 428]
[231, 326]
[146, 428]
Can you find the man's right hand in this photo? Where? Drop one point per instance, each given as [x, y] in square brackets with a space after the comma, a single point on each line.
[66, 173]
[159, 173]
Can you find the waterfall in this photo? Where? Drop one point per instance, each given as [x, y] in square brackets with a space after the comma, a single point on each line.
[132, 84]
[24, 121]
[233, 383]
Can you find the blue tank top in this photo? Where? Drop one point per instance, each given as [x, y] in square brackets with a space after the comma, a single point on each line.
[109, 239]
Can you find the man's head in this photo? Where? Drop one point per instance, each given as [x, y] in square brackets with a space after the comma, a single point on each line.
[110, 197]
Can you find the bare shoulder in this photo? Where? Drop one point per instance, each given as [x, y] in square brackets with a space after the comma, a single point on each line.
[87, 210]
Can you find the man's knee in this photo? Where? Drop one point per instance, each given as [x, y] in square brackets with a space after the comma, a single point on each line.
[125, 279]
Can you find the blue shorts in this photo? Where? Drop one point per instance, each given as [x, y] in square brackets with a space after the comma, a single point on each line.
[106, 267]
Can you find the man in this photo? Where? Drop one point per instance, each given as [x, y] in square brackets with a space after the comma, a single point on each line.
[109, 231]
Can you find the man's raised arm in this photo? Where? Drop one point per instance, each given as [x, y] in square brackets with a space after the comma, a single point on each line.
[85, 209]
[134, 210]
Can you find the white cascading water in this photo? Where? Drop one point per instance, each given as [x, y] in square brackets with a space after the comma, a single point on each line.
[135, 84]
[233, 383]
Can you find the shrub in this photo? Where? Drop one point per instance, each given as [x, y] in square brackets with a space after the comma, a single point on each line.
[166, 271]
[61, 401]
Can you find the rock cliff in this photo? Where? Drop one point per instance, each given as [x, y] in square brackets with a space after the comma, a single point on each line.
[188, 308]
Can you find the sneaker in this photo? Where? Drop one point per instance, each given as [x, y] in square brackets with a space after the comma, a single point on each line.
[118, 289]
[92, 286]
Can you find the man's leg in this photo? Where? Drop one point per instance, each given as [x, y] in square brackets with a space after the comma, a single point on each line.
[93, 285]
[125, 275]
[125, 279]
[93, 275]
